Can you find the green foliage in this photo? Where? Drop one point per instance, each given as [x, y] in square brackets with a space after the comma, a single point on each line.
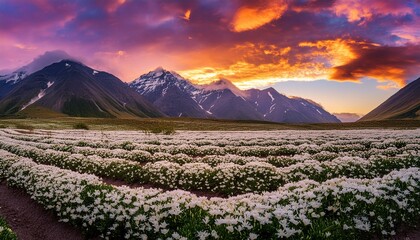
[159, 129]
[5, 232]
[127, 145]
[82, 126]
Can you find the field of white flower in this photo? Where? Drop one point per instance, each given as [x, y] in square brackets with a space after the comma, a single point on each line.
[351, 184]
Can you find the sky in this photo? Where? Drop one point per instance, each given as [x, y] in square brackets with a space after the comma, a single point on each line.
[348, 55]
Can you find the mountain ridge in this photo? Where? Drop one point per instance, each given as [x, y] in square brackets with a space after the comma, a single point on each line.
[74, 89]
[10, 79]
[222, 99]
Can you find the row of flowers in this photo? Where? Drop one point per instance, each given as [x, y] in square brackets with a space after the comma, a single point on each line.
[383, 145]
[225, 178]
[213, 160]
[340, 208]
[112, 139]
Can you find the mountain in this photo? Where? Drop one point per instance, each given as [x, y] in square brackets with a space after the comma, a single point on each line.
[170, 93]
[74, 89]
[277, 107]
[9, 80]
[221, 85]
[405, 104]
[225, 104]
[176, 96]
[348, 117]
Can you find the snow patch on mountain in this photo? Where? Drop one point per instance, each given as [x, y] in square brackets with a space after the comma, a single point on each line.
[271, 96]
[14, 77]
[40, 95]
[100, 109]
[221, 85]
[272, 107]
[160, 77]
[222, 98]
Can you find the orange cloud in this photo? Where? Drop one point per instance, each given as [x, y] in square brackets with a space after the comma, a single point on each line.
[351, 60]
[258, 52]
[350, 72]
[334, 51]
[364, 10]
[257, 65]
[252, 17]
[246, 75]
[384, 63]
[187, 15]
[260, 64]
[24, 47]
[389, 85]
[112, 6]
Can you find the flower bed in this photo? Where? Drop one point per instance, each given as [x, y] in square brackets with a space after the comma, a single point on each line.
[337, 208]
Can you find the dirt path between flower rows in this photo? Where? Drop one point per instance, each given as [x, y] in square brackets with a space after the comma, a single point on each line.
[29, 220]
[198, 193]
[408, 233]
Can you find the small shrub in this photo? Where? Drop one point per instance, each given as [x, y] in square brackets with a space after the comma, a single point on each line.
[160, 129]
[127, 145]
[24, 126]
[5, 232]
[83, 126]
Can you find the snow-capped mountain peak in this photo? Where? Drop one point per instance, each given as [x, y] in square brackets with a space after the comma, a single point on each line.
[223, 84]
[176, 96]
[37, 64]
[159, 80]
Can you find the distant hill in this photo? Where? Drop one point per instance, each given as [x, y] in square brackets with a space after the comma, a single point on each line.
[177, 97]
[348, 117]
[405, 104]
[71, 88]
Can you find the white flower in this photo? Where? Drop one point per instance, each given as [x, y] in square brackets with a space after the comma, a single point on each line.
[253, 236]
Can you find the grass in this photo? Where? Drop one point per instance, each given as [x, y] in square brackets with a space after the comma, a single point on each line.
[171, 125]
[25, 126]
[160, 128]
[82, 126]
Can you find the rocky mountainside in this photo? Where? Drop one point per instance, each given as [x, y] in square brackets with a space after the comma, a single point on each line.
[405, 104]
[74, 89]
[177, 97]
[9, 80]
[277, 107]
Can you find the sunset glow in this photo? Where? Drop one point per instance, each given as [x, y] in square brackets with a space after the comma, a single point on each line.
[251, 43]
